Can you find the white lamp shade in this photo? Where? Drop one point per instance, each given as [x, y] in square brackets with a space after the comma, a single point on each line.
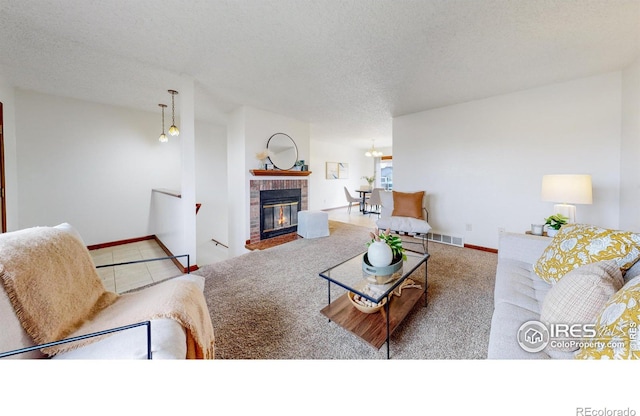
[567, 189]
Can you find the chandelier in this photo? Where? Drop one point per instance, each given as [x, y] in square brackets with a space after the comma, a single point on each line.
[163, 137]
[173, 130]
[373, 152]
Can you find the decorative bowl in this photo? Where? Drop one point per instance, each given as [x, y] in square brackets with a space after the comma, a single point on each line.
[363, 308]
[396, 264]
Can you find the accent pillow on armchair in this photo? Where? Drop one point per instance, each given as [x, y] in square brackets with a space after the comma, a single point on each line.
[408, 204]
[403, 212]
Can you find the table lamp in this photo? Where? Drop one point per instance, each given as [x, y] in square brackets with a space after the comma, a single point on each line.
[566, 190]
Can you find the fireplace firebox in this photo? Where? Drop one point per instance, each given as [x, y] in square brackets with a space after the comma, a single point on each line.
[279, 212]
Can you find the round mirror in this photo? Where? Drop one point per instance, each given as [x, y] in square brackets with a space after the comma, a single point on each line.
[283, 151]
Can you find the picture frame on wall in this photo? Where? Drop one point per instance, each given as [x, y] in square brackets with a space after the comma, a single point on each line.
[343, 170]
[332, 170]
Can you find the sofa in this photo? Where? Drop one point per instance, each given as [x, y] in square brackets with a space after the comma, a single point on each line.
[520, 294]
[51, 291]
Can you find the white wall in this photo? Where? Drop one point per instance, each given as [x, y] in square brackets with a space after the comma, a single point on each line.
[630, 156]
[186, 216]
[211, 187]
[90, 164]
[260, 125]
[236, 165]
[329, 193]
[482, 162]
[7, 97]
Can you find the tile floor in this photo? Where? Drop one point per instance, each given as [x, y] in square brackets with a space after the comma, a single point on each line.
[123, 278]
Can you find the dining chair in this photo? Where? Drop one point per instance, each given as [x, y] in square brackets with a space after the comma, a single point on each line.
[375, 201]
[351, 199]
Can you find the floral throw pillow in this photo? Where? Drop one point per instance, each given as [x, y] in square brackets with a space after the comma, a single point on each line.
[616, 327]
[578, 244]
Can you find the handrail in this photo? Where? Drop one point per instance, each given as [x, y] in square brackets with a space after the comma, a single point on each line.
[81, 337]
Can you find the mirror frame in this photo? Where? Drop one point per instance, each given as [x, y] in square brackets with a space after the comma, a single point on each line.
[283, 163]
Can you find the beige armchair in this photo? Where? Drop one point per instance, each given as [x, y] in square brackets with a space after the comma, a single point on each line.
[406, 214]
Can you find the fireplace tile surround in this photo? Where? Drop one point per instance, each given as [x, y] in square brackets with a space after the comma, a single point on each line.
[255, 186]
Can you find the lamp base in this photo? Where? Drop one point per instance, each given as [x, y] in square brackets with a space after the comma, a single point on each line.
[567, 210]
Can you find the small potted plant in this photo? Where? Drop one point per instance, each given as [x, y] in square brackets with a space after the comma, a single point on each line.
[385, 249]
[554, 222]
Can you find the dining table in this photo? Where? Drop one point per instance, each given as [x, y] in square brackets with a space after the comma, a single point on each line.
[363, 199]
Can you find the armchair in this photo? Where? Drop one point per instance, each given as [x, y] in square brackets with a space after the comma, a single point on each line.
[405, 214]
[51, 294]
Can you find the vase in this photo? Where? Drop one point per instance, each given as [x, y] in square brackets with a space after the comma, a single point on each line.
[551, 232]
[379, 254]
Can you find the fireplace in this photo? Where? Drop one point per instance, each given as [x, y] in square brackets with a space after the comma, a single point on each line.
[272, 184]
[279, 212]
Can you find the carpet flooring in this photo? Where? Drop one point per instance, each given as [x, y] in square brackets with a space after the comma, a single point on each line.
[266, 304]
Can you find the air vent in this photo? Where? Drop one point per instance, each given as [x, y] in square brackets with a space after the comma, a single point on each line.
[446, 239]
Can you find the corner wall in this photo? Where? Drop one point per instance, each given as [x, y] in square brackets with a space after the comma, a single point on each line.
[91, 165]
[482, 162]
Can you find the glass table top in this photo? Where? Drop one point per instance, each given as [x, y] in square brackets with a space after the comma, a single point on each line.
[352, 277]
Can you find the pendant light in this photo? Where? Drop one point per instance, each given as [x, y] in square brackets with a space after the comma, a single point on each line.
[373, 152]
[173, 130]
[163, 137]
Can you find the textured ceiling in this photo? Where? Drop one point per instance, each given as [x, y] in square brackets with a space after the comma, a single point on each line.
[345, 66]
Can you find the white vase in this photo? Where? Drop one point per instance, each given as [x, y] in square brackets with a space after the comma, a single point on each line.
[551, 232]
[379, 254]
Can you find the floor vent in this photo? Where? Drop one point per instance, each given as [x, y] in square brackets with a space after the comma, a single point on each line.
[446, 239]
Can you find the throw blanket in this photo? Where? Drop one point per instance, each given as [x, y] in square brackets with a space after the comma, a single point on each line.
[179, 300]
[56, 292]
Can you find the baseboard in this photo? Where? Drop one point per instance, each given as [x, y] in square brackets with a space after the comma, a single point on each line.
[121, 242]
[192, 268]
[490, 250]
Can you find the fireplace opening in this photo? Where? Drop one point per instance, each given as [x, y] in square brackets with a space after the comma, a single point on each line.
[279, 212]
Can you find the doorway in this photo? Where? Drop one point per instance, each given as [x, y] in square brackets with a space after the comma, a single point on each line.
[3, 205]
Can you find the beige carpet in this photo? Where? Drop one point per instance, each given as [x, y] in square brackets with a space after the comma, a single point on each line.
[266, 304]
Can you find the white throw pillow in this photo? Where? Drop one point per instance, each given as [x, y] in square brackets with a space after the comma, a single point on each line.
[580, 296]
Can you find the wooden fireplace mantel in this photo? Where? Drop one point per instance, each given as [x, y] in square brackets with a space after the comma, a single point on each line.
[262, 172]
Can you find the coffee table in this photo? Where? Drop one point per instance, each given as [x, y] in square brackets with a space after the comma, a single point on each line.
[374, 328]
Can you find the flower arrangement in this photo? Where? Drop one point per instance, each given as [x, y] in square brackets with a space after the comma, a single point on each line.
[262, 155]
[369, 179]
[393, 241]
